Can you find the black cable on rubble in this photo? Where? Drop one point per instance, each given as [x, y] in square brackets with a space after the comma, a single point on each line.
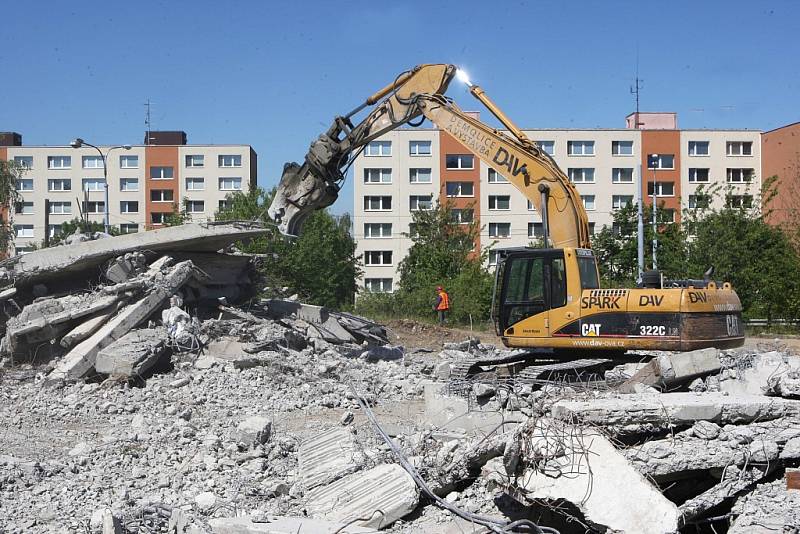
[498, 526]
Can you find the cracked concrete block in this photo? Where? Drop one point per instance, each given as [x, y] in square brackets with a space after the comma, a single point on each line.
[581, 466]
[254, 430]
[132, 354]
[327, 457]
[382, 495]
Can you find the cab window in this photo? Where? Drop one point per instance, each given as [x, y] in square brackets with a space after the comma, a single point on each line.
[558, 283]
[588, 271]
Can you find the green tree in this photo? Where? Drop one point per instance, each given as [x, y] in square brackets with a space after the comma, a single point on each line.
[442, 253]
[10, 172]
[79, 225]
[320, 265]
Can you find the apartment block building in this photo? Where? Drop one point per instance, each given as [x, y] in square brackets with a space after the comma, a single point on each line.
[409, 169]
[146, 183]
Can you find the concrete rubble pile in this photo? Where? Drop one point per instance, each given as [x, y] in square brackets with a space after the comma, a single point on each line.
[135, 400]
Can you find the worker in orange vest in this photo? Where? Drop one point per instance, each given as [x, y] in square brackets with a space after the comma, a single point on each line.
[442, 304]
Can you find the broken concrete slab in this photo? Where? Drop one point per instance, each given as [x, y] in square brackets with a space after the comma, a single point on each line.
[81, 359]
[674, 409]
[757, 374]
[581, 466]
[456, 413]
[132, 354]
[357, 328]
[328, 457]
[673, 368]
[735, 482]
[386, 353]
[281, 525]
[375, 498]
[55, 262]
[253, 431]
[788, 385]
[86, 329]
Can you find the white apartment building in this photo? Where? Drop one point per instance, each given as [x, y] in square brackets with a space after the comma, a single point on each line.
[409, 169]
[146, 183]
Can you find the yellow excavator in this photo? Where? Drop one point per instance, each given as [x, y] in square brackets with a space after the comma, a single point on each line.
[543, 297]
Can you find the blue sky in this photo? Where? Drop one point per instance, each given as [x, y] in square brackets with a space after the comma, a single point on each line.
[274, 74]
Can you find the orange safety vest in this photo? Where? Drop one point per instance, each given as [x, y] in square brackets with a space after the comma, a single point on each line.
[444, 305]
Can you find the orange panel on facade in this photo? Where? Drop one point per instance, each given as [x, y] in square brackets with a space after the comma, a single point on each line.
[780, 156]
[663, 142]
[160, 156]
[449, 146]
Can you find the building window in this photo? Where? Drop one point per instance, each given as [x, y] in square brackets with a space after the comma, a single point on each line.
[195, 160]
[739, 148]
[24, 208]
[622, 175]
[378, 148]
[535, 229]
[580, 148]
[233, 160]
[548, 147]
[668, 214]
[500, 230]
[59, 162]
[591, 228]
[699, 201]
[419, 148]
[698, 175]
[499, 202]
[588, 202]
[128, 228]
[493, 257]
[462, 215]
[92, 162]
[622, 148]
[25, 184]
[195, 206]
[162, 195]
[377, 176]
[93, 184]
[581, 175]
[129, 162]
[159, 218]
[661, 161]
[420, 202]
[161, 173]
[54, 230]
[61, 208]
[225, 204]
[378, 285]
[230, 184]
[738, 201]
[195, 184]
[740, 175]
[62, 184]
[531, 207]
[129, 206]
[26, 162]
[459, 161]
[420, 176]
[620, 201]
[698, 148]
[377, 203]
[23, 230]
[496, 178]
[128, 184]
[94, 207]
[377, 230]
[663, 189]
[460, 189]
[378, 257]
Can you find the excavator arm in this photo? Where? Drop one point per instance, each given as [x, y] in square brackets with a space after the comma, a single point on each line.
[420, 93]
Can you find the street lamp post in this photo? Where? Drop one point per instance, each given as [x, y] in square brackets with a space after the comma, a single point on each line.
[654, 164]
[78, 143]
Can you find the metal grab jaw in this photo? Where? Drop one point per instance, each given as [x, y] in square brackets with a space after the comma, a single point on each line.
[306, 188]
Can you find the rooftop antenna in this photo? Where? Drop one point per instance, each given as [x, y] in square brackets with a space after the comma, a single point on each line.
[635, 89]
[147, 121]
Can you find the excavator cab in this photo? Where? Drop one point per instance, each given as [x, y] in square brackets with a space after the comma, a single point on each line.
[532, 282]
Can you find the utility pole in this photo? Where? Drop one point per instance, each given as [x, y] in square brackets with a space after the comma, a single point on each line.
[635, 89]
[653, 160]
